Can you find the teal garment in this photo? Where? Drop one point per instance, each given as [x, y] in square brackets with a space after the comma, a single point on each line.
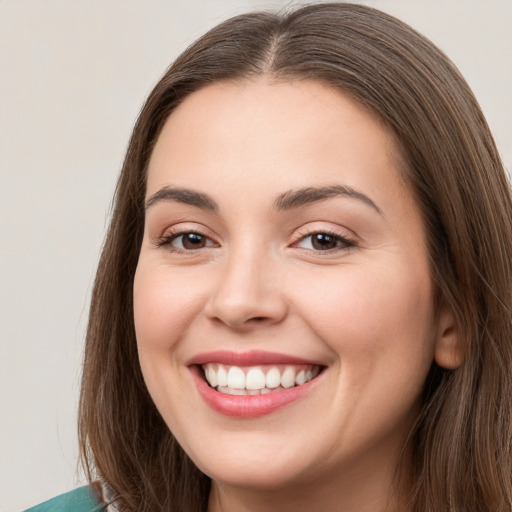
[79, 500]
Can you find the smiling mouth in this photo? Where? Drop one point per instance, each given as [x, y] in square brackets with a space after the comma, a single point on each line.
[257, 380]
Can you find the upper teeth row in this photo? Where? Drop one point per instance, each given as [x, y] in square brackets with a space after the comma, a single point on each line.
[258, 377]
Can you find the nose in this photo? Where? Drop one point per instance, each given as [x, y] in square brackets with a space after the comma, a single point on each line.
[248, 292]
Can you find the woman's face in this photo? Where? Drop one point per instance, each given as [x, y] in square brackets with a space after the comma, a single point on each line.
[283, 257]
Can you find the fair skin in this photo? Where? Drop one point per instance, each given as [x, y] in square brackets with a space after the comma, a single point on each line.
[338, 279]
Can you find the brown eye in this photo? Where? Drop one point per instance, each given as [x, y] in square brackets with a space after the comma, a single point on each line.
[192, 241]
[186, 241]
[324, 242]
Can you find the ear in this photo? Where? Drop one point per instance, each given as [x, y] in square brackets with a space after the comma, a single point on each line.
[449, 350]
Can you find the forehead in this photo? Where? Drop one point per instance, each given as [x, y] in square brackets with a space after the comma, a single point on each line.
[284, 134]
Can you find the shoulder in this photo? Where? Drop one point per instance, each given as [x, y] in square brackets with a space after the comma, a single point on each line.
[80, 500]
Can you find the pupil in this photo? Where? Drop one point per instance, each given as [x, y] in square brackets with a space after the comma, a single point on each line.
[193, 241]
[323, 241]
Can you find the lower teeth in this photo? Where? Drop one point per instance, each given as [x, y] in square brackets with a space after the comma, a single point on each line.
[231, 391]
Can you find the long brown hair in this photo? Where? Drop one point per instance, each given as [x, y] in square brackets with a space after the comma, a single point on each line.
[462, 439]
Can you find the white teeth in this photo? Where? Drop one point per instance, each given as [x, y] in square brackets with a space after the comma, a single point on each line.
[212, 376]
[236, 378]
[222, 376]
[255, 380]
[288, 377]
[273, 378]
[230, 391]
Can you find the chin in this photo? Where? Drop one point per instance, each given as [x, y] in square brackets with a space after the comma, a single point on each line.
[254, 476]
[258, 467]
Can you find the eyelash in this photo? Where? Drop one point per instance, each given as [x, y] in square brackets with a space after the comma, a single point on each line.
[344, 243]
[167, 240]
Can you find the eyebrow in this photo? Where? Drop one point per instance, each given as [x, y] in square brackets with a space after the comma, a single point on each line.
[288, 201]
[296, 198]
[183, 195]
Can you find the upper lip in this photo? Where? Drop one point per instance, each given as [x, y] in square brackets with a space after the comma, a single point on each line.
[248, 358]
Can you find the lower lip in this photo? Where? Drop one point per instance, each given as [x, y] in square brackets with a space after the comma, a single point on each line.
[248, 406]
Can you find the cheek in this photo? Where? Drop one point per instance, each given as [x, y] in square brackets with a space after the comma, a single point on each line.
[380, 328]
[163, 305]
[372, 313]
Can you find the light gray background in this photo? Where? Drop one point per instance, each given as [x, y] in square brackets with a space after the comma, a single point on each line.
[73, 76]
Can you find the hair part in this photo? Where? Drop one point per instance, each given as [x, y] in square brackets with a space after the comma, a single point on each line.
[462, 439]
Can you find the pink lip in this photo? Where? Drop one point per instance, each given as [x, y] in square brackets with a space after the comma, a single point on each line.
[251, 358]
[247, 406]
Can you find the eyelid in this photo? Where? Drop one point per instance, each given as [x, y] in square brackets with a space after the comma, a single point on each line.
[174, 232]
[348, 241]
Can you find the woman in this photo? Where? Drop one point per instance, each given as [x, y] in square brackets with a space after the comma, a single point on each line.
[304, 296]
